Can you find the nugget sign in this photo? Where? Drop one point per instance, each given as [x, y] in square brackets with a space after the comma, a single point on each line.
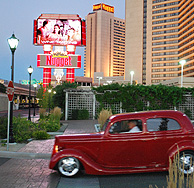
[10, 91]
[59, 61]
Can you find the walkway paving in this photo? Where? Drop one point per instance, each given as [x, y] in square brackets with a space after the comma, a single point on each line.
[27, 173]
[80, 126]
[19, 173]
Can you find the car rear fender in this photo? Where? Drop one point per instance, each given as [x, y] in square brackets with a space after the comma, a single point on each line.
[90, 166]
[179, 147]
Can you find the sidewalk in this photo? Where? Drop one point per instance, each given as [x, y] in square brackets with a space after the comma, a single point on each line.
[73, 127]
[27, 173]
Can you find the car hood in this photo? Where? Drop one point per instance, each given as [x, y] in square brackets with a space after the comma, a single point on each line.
[79, 137]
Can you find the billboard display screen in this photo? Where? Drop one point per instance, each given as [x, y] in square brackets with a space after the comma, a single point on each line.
[58, 32]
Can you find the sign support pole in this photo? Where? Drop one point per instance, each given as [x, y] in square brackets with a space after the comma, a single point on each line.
[8, 125]
[10, 94]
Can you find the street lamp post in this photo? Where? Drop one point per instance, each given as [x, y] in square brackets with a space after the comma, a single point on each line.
[132, 73]
[182, 62]
[49, 98]
[35, 86]
[13, 43]
[30, 70]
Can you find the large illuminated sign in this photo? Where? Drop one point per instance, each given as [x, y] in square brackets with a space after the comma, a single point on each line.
[58, 61]
[103, 6]
[97, 7]
[57, 29]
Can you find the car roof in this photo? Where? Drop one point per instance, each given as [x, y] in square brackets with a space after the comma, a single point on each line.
[145, 114]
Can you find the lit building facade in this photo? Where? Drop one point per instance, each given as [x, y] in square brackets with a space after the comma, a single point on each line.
[159, 33]
[105, 43]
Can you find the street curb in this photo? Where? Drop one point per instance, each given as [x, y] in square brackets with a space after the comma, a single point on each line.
[24, 155]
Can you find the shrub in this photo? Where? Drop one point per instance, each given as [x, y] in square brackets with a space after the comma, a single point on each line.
[42, 124]
[57, 113]
[49, 125]
[83, 114]
[52, 125]
[40, 135]
[75, 114]
[80, 114]
[42, 112]
[103, 116]
[22, 129]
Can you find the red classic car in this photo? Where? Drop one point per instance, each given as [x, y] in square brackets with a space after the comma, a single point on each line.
[128, 143]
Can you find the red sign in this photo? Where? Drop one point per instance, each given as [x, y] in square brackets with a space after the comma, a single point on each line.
[58, 61]
[10, 91]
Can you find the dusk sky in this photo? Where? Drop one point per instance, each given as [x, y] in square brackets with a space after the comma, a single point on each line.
[17, 16]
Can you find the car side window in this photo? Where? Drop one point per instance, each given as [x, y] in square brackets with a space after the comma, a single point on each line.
[162, 124]
[126, 126]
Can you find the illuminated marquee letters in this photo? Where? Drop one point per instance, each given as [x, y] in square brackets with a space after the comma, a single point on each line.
[108, 8]
[97, 7]
[58, 61]
[103, 6]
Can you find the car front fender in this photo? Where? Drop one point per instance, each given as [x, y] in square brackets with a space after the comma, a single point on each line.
[90, 166]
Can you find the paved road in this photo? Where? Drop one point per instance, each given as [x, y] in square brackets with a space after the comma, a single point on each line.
[35, 173]
[20, 173]
[3, 160]
[134, 180]
[116, 181]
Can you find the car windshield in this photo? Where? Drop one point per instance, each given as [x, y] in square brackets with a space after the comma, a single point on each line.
[105, 124]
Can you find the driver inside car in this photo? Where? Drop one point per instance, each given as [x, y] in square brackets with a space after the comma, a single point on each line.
[133, 126]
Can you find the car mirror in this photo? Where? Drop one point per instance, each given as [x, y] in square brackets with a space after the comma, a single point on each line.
[97, 127]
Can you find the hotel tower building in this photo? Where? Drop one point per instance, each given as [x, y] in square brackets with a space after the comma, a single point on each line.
[159, 33]
[105, 43]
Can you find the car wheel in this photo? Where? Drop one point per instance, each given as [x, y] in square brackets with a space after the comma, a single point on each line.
[69, 166]
[186, 160]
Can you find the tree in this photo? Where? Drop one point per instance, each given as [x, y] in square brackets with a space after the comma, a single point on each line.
[45, 98]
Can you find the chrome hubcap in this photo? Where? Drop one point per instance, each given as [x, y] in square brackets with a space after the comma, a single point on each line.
[186, 163]
[68, 166]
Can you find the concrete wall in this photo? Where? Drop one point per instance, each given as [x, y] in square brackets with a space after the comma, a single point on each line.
[3, 102]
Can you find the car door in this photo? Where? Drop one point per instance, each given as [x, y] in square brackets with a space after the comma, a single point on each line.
[122, 149]
[166, 132]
